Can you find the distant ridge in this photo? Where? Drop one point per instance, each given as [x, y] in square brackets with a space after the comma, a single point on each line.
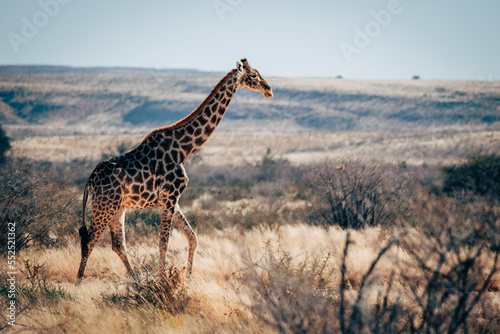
[34, 69]
[81, 99]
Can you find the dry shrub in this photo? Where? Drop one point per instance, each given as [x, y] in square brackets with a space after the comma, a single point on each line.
[479, 175]
[305, 296]
[166, 292]
[32, 203]
[291, 297]
[354, 315]
[454, 264]
[39, 289]
[354, 194]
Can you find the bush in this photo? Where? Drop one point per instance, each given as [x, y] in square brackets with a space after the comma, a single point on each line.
[356, 195]
[39, 289]
[289, 296]
[32, 202]
[453, 267]
[166, 293]
[305, 297]
[479, 175]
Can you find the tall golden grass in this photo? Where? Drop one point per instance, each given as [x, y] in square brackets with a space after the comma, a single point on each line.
[242, 282]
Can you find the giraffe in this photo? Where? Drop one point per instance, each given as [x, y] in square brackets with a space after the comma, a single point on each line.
[153, 174]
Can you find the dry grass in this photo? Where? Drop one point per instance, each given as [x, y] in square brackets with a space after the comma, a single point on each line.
[415, 148]
[222, 295]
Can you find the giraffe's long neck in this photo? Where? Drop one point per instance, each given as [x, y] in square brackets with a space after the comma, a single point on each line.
[193, 131]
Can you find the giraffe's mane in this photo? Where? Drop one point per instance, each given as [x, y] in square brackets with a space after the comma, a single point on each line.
[198, 110]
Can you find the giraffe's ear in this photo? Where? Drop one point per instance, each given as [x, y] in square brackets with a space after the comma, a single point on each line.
[239, 66]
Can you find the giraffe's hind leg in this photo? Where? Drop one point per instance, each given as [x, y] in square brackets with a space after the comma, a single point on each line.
[94, 232]
[117, 229]
[188, 231]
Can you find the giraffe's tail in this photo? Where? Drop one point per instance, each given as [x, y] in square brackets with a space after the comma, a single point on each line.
[84, 233]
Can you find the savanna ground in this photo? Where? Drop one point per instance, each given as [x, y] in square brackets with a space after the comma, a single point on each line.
[298, 231]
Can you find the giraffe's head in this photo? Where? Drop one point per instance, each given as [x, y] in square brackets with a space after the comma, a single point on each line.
[250, 78]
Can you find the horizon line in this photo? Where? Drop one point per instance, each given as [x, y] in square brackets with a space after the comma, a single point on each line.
[151, 70]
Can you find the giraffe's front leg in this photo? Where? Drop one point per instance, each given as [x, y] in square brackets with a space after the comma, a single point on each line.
[170, 197]
[188, 231]
[167, 213]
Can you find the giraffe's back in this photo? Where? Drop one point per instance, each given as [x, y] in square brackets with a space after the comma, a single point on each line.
[125, 181]
[137, 179]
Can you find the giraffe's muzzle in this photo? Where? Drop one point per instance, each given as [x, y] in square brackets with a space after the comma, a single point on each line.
[266, 89]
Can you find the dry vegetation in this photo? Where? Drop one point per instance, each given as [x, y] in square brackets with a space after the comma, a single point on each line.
[288, 279]
[414, 255]
[300, 231]
[415, 148]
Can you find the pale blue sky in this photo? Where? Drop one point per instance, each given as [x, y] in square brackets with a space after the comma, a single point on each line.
[436, 39]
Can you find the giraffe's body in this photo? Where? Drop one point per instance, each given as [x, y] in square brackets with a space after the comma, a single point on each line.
[153, 174]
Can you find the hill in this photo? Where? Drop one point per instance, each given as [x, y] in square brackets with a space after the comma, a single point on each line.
[43, 100]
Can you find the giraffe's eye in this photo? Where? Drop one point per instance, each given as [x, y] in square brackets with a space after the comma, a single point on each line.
[253, 76]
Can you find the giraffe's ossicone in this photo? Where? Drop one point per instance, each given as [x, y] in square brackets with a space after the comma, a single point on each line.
[153, 174]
